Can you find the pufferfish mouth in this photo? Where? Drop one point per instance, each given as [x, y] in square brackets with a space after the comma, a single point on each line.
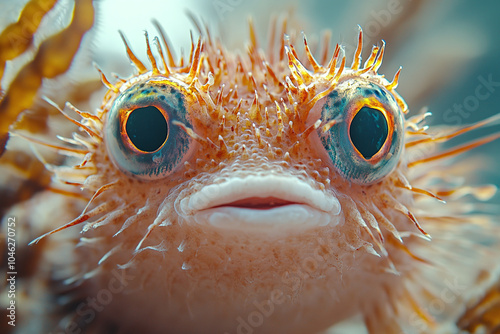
[265, 203]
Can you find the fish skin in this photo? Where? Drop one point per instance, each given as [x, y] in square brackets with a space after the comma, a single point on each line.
[189, 278]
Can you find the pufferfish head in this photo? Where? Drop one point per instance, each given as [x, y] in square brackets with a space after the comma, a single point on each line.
[225, 181]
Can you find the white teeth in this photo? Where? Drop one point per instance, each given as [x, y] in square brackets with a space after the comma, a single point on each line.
[308, 207]
[282, 187]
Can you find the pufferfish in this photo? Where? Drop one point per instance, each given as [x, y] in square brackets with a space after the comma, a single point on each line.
[264, 192]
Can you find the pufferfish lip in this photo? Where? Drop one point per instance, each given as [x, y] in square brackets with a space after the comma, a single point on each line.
[264, 203]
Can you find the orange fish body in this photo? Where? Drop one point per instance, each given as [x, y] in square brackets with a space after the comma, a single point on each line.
[261, 193]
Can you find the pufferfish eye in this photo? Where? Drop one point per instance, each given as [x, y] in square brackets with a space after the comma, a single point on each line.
[368, 131]
[365, 141]
[141, 137]
[147, 128]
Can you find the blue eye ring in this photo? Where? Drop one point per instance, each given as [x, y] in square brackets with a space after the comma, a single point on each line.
[164, 100]
[341, 106]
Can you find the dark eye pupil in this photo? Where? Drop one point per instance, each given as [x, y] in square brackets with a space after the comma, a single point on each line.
[147, 128]
[368, 131]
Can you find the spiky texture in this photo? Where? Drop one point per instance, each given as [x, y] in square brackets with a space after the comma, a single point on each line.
[253, 114]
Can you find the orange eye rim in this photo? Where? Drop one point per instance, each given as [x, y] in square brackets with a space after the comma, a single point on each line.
[124, 116]
[389, 117]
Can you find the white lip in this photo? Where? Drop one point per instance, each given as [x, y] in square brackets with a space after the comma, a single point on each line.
[309, 207]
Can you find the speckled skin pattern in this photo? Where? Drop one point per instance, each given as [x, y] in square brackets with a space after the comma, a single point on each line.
[257, 114]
